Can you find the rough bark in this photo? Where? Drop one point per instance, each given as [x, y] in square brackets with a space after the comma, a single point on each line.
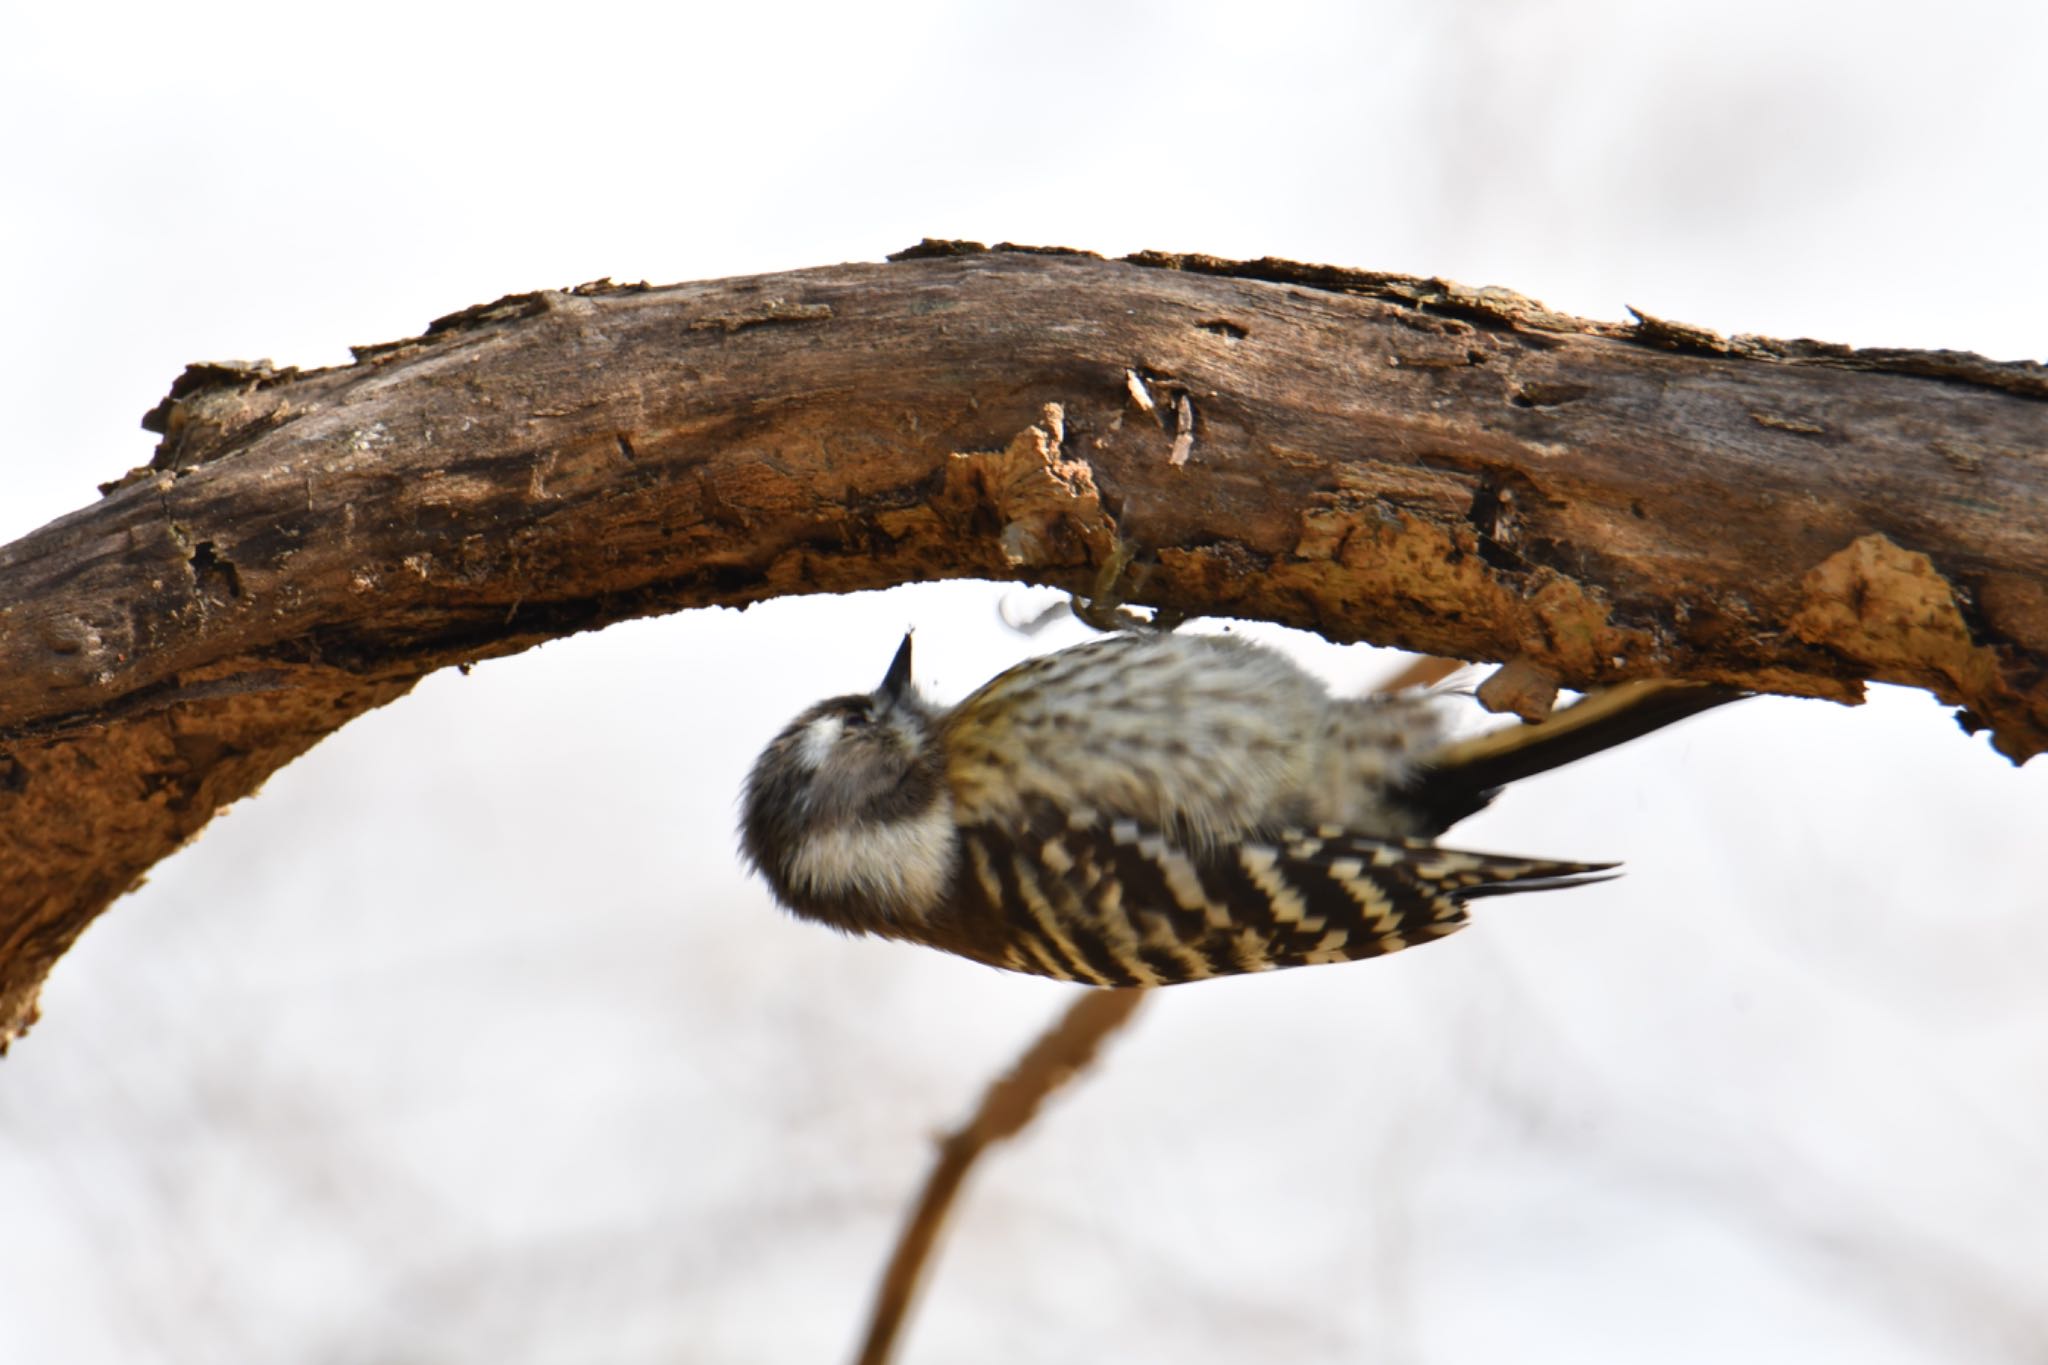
[1457, 471]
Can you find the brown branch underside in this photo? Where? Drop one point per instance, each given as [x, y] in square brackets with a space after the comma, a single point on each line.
[1375, 457]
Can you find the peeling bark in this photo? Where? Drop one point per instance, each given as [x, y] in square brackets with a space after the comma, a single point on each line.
[1460, 472]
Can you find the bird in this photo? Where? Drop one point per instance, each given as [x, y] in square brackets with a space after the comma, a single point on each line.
[1154, 807]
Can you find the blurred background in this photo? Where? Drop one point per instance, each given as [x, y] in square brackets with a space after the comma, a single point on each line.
[468, 1040]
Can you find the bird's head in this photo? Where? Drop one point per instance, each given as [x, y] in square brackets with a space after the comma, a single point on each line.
[845, 813]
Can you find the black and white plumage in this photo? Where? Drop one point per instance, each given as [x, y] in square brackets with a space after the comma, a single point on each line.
[1149, 808]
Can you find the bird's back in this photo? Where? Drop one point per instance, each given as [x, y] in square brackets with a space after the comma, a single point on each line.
[1204, 738]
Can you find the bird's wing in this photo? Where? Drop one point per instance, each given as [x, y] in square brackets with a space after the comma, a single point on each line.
[1083, 897]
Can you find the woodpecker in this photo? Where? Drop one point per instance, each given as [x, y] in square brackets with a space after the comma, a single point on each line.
[1151, 807]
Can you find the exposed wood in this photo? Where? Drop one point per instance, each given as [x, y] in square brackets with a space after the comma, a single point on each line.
[1376, 457]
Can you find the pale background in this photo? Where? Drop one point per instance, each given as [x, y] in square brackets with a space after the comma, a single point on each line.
[468, 1041]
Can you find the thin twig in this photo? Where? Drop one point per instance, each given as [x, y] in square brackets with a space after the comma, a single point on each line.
[1060, 1054]
[1424, 670]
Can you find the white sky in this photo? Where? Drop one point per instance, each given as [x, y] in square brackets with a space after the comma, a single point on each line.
[468, 1041]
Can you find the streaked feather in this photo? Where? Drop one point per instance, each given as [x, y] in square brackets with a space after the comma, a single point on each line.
[1087, 897]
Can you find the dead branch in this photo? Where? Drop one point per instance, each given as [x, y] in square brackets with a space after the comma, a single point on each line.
[1456, 471]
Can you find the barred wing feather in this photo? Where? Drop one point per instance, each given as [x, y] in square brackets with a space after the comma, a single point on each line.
[1082, 897]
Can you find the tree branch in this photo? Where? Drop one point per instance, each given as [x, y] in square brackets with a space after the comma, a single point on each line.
[1459, 472]
[1063, 1051]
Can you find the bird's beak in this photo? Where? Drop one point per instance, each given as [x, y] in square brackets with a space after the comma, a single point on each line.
[896, 686]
